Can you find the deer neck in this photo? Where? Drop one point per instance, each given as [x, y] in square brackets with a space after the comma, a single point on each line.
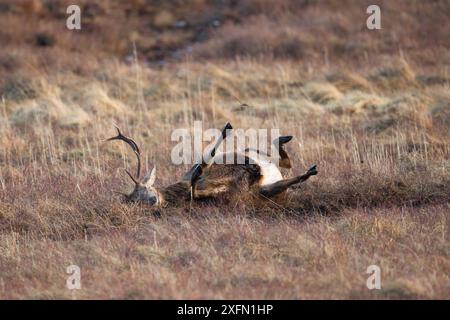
[174, 194]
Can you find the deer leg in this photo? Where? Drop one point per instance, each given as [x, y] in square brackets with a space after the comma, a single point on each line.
[196, 173]
[197, 169]
[285, 161]
[225, 130]
[278, 187]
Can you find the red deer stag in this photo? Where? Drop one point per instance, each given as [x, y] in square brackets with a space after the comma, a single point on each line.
[257, 176]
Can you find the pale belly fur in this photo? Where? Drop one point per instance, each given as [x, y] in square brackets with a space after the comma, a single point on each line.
[269, 171]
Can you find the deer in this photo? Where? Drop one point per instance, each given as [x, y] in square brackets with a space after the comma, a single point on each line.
[256, 178]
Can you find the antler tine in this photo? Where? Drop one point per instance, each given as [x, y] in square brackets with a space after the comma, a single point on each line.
[132, 178]
[133, 146]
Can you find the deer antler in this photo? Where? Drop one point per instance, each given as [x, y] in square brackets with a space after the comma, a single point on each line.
[132, 178]
[136, 150]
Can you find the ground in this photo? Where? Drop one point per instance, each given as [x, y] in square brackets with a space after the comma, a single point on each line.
[371, 108]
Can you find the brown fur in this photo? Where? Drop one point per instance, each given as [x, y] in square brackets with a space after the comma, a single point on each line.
[176, 194]
[225, 179]
[216, 181]
[232, 182]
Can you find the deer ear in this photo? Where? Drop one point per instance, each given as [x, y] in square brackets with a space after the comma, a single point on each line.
[149, 178]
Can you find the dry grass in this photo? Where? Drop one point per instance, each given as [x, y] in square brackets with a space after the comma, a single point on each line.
[379, 135]
[238, 256]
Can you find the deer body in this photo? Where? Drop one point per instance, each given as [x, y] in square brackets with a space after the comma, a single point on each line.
[270, 173]
[256, 177]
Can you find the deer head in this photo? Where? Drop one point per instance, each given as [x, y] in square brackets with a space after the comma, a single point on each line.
[143, 191]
